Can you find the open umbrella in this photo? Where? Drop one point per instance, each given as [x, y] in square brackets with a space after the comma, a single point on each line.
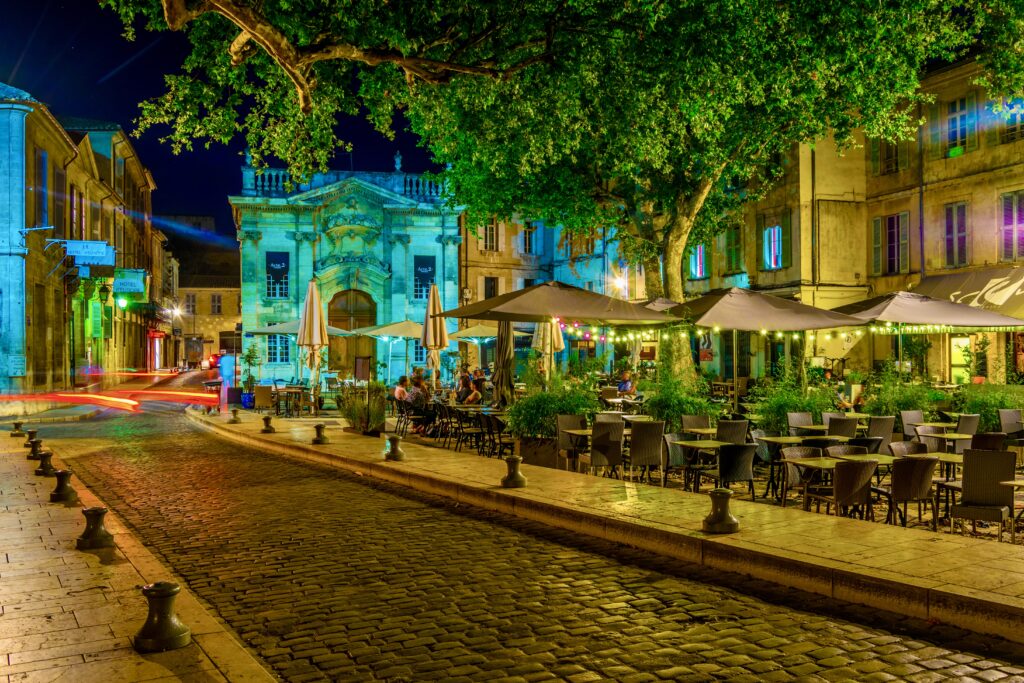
[909, 308]
[403, 329]
[547, 338]
[292, 327]
[476, 334]
[312, 334]
[435, 335]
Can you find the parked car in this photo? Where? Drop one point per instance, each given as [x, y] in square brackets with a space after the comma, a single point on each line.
[215, 361]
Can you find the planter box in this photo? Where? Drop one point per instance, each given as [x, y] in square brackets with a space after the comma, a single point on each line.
[539, 451]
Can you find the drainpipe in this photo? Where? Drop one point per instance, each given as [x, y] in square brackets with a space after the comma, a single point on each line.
[815, 245]
[920, 190]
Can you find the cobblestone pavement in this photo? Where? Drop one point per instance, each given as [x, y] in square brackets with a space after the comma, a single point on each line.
[331, 577]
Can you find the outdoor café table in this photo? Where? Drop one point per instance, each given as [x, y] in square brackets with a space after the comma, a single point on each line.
[940, 425]
[1017, 484]
[824, 428]
[775, 446]
[819, 464]
[702, 431]
[291, 396]
[859, 416]
[637, 418]
[883, 460]
[581, 436]
[951, 436]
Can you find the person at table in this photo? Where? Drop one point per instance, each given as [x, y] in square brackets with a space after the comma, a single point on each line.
[626, 386]
[401, 391]
[464, 390]
[418, 399]
[476, 394]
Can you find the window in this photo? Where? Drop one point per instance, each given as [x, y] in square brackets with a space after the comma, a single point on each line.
[419, 354]
[956, 235]
[1013, 125]
[59, 215]
[1013, 225]
[41, 190]
[890, 157]
[734, 248]
[424, 268]
[890, 244]
[215, 304]
[490, 287]
[529, 237]
[490, 236]
[530, 282]
[277, 274]
[956, 124]
[190, 304]
[278, 348]
[580, 245]
[582, 349]
[73, 197]
[773, 247]
[698, 263]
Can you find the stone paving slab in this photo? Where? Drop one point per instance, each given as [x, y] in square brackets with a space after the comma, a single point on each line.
[969, 583]
[70, 413]
[69, 615]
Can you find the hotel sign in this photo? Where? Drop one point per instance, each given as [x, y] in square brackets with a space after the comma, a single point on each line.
[89, 252]
[129, 281]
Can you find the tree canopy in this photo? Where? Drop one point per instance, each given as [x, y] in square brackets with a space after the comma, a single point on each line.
[658, 118]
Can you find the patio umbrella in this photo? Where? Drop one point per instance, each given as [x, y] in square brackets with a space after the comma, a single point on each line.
[739, 309]
[547, 338]
[292, 327]
[404, 329]
[435, 335]
[540, 303]
[478, 333]
[312, 334]
[908, 308]
[504, 361]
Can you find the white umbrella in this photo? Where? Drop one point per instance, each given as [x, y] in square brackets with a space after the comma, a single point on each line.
[547, 338]
[292, 327]
[435, 334]
[389, 332]
[312, 334]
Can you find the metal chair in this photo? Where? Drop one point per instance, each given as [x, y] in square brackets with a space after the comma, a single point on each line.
[983, 498]
[881, 426]
[988, 441]
[605, 448]
[735, 463]
[645, 445]
[468, 431]
[910, 419]
[911, 483]
[843, 426]
[901, 449]
[502, 439]
[798, 420]
[851, 489]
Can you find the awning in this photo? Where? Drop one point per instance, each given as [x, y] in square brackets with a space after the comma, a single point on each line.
[994, 289]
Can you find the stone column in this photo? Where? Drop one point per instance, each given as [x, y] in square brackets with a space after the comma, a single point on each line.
[12, 249]
[448, 280]
[251, 289]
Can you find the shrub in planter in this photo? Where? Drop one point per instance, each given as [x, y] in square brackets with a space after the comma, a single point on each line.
[986, 400]
[365, 411]
[534, 414]
[673, 398]
[890, 394]
[776, 398]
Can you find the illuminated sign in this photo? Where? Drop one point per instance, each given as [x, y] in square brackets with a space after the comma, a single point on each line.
[89, 252]
[129, 281]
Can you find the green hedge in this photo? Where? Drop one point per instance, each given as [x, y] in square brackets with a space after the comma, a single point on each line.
[986, 400]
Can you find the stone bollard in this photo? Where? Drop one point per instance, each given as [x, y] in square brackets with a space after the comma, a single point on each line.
[16, 432]
[267, 427]
[63, 493]
[320, 437]
[235, 420]
[45, 468]
[37, 448]
[514, 479]
[31, 434]
[720, 521]
[163, 630]
[394, 450]
[95, 534]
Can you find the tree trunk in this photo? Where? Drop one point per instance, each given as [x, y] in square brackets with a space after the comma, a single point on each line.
[652, 278]
[676, 353]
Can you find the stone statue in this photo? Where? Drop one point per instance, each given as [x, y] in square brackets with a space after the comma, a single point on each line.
[398, 161]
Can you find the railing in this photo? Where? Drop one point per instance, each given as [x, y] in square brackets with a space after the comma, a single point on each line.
[275, 182]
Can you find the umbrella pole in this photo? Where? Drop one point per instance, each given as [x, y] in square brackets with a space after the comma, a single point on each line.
[391, 345]
[735, 371]
[899, 343]
[406, 356]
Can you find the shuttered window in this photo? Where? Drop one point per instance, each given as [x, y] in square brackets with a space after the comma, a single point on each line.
[734, 248]
[698, 263]
[1012, 225]
[890, 244]
[956, 235]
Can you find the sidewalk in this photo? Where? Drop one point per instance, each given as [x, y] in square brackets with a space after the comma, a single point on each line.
[973, 584]
[68, 615]
[51, 415]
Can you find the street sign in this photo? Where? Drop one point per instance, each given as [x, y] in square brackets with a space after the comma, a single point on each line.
[89, 252]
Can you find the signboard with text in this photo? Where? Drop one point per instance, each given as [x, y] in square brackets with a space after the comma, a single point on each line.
[129, 281]
[89, 252]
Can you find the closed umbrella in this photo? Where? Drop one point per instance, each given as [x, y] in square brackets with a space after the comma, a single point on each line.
[312, 334]
[547, 338]
[504, 362]
[435, 335]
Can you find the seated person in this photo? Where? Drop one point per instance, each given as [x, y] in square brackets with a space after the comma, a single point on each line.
[843, 404]
[401, 389]
[464, 390]
[477, 393]
[418, 399]
[626, 386]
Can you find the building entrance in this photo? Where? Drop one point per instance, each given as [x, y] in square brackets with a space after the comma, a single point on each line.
[352, 356]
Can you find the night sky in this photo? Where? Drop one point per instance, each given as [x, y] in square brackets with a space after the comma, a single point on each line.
[71, 56]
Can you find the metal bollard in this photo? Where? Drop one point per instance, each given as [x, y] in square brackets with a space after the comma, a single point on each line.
[720, 521]
[63, 492]
[31, 434]
[45, 468]
[95, 534]
[320, 437]
[394, 450]
[514, 479]
[16, 432]
[37, 448]
[163, 630]
[267, 427]
[235, 420]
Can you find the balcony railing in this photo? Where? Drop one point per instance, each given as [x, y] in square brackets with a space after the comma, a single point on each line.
[276, 182]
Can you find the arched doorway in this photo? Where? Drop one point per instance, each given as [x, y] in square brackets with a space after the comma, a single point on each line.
[352, 356]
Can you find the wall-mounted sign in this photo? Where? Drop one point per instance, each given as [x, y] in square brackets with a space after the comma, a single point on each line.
[129, 281]
[16, 365]
[277, 265]
[89, 252]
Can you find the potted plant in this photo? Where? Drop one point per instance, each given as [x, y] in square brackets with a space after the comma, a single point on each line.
[672, 397]
[250, 359]
[532, 420]
[365, 411]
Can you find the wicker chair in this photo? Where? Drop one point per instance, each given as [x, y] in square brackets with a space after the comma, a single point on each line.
[910, 419]
[901, 449]
[881, 426]
[678, 457]
[965, 424]
[826, 418]
[569, 446]
[263, 398]
[911, 483]
[791, 474]
[733, 431]
[983, 497]
[872, 443]
[645, 445]
[1010, 422]
[689, 422]
[933, 444]
[845, 450]
[843, 426]
[735, 463]
[798, 420]
[988, 441]
[851, 489]
[605, 448]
